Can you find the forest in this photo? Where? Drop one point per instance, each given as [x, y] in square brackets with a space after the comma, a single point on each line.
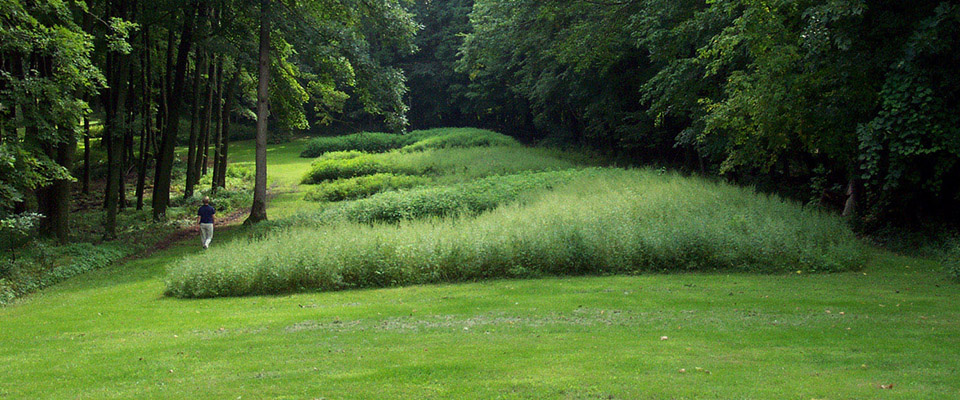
[847, 104]
[450, 151]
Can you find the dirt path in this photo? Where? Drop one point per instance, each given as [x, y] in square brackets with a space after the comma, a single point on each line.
[230, 222]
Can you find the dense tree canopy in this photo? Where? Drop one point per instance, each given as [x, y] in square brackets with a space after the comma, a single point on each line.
[813, 99]
[846, 103]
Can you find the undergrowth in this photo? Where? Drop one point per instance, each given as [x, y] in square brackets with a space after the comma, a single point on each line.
[58, 264]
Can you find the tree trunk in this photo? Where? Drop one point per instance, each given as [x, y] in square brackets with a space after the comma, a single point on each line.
[853, 197]
[86, 155]
[146, 117]
[225, 127]
[258, 212]
[106, 138]
[217, 129]
[208, 108]
[161, 186]
[193, 145]
[127, 149]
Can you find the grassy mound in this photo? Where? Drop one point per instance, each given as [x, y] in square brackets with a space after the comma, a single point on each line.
[378, 142]
[614, 221]
[364, 186]
[462, 137]
[469, 198]
[456, 164]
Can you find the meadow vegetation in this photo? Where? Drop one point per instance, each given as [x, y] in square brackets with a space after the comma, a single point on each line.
[447, 164]
[379, 142]
[509, 212]
[809, 335]
[363, 186]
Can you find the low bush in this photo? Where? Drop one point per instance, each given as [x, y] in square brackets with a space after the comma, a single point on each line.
[616, 221]
[951, 260]
[52, 265]
[450, 164]
[364, 186]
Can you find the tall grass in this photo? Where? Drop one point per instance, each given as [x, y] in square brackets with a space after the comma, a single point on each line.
[469, 198]
[462, 137]
[455, 164]
[364, 186]
[378, 142]
[614, 222]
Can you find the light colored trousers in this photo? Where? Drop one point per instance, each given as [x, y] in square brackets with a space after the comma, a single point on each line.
[206, 234]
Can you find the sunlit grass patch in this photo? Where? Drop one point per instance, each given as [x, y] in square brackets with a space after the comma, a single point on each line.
[615, 222]
[379, 142]
[364, 186]
[452, 164]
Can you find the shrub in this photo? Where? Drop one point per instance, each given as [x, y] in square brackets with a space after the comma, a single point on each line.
[951, 260]
[364, 186]
[611, 222]
[16, 230]
[56, 264]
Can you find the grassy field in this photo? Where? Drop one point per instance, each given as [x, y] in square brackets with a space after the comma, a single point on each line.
[112, 334]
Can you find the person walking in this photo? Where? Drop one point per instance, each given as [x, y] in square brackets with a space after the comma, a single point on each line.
[205, 219]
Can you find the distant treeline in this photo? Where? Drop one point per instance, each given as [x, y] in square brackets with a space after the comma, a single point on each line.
[848, 103]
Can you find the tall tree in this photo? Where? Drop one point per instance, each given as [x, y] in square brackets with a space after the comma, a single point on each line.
[193, 144]
[258, 212]
[161, 186]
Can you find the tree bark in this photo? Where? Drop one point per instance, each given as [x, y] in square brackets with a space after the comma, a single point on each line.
[225, 127]
[146, 118]
[193, 145]
[217, 128]
[86, 155]
[127, 149]
[161, 186]
[258, 212]
[207, 115]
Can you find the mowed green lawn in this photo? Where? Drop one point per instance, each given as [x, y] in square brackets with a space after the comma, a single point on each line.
[111, 334]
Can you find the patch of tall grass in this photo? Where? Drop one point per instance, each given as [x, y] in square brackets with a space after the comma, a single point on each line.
[379, 142]
[616, 221]
[468, 198]
[454, 164]
[364, 186]
[462, 137]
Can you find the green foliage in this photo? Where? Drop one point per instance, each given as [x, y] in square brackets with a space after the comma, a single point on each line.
[376, 142]
[46, 71]
[370, 142]
[333, 169]
[909, 151]
[463, 137]
[16, 230]
[451, 164]
[436, 88]
[50, 265]
[364, 186]
[617, 222]
[790, 96]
